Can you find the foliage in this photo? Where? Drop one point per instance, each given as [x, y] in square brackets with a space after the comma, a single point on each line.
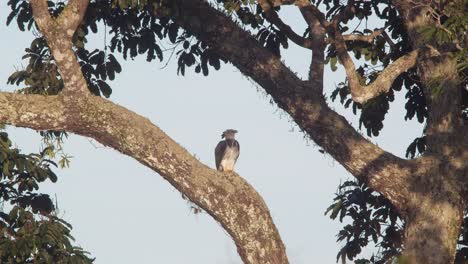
[272, 39]
[373, 219]
[355, 200]
[31, 232]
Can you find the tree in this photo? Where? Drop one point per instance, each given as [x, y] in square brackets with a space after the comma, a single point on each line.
[420, 47]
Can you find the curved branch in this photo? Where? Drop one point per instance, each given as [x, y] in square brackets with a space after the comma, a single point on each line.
[362, 93]
[225, 196]
[383, 171]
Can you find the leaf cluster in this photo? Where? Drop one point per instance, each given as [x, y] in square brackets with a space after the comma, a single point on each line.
[41, 75]
[376, 55]
[355, 200]
[198, 55]
[272, 39]
[28, 239]
[373, 219]
[97, 67]
[30, 232]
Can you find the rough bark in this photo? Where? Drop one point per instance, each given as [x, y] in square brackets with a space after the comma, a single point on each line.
[439, 210]
[434, 214]
[431, 233]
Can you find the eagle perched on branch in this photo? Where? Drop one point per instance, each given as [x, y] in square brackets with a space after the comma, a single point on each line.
[227, 151]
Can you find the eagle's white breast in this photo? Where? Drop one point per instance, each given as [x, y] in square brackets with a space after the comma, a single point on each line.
[229, 158]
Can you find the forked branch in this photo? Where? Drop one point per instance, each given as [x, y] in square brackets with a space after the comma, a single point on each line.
[360, 92]
[58, 33]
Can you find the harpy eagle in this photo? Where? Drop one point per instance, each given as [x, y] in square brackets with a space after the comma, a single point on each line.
[227, 151]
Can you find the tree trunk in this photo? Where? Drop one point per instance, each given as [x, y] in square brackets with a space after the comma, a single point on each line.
[434, 216]
[435, 210]
[436, 206]
[433, 222]
[432, 231]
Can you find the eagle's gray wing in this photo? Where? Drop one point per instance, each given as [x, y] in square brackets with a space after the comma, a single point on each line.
[237, 147]
[219, 152]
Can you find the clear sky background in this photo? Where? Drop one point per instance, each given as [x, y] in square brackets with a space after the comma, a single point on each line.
[123, 212]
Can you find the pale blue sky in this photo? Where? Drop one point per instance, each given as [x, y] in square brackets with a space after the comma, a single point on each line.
[122, 212]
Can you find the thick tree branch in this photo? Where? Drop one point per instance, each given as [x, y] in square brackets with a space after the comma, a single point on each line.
[58, 33]
[315, 41]
[317, 35]
[311, 12]
[384, 172]
[316, 70]
[436, 68]
[362, 93]
[225, 196]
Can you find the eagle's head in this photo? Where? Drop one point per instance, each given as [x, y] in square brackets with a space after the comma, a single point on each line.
[229, 134]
